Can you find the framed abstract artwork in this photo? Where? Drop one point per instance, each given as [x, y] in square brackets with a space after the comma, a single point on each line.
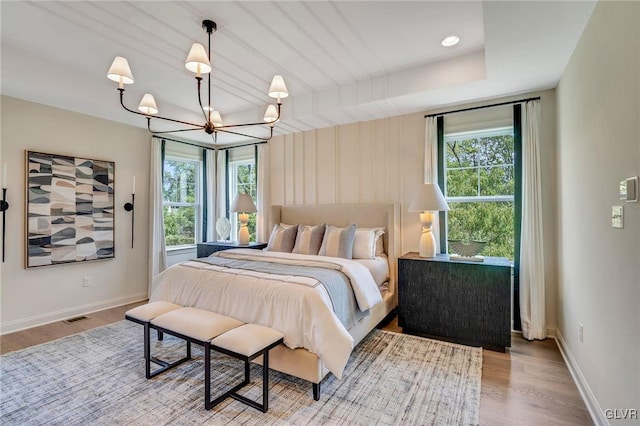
[70, 209]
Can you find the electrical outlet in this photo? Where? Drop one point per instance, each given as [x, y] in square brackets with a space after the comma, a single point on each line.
[86, 282]
[581, 332]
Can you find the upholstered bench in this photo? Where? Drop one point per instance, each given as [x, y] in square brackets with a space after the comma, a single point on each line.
[245, 343]
[143, 315]
[193, 325]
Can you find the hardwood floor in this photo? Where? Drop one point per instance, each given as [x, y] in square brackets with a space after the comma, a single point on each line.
[528, 385]
[45, 333]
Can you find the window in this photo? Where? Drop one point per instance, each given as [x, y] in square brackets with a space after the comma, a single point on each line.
[181, 201]
[479, 188]
[242, 179]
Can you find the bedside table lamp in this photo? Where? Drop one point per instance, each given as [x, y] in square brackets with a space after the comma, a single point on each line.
[243, 204]
[426, 200]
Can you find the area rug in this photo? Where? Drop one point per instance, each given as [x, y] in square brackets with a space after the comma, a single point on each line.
[97, 378]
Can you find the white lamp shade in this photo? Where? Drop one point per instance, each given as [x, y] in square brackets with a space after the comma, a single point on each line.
[428, 198]
[278, 89]
[148, 104]
[271, 115]
[243, 204]
[120, 70]
[216, 119]
[198, 56]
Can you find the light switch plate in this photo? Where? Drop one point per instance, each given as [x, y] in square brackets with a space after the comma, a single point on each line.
[617, 216]
[629, 189]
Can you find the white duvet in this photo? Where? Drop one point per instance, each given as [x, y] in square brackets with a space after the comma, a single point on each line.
[295, 306]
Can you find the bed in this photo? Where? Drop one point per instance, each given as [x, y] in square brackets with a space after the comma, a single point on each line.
[325, 344]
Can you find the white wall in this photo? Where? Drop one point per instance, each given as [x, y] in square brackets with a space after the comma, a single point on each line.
[44, 294]
[382, 161]
[598, 145]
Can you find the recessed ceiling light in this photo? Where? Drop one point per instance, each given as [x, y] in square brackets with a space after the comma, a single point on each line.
[450, 41]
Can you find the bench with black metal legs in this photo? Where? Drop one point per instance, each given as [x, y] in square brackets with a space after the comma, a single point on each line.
[245, 343]
[193, 325]
[143, 315]
[214, 332]
[189, 324]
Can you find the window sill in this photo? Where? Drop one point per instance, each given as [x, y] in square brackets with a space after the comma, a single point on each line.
[179, 250]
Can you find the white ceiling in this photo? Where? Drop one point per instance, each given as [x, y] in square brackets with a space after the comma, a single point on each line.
[342, 61]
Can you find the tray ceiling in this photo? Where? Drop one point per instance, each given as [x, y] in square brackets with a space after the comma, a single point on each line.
[342, 61]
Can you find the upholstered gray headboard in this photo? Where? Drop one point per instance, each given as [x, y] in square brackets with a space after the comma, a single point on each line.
[363, 215]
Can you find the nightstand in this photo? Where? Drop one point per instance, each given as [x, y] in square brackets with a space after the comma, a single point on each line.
[205, 249]
[460, 301]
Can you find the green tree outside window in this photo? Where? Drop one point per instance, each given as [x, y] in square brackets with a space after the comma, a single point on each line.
[180, 201]
[479, 187]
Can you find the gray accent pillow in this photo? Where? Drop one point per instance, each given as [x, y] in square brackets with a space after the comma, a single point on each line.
[309, 239]
[282, 239]
[338, 242]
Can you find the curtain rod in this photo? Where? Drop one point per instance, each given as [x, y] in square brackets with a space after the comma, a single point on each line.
[537, 98]
[206, 147]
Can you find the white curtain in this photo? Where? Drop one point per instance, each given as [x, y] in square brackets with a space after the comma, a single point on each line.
[532, 297]
[211, 179]
[222, 183]
[158, 254]
[431, 168]
[262, 218]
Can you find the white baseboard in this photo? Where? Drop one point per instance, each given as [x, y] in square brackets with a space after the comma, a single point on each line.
[63, 314]
[551, 331]
[596, 412]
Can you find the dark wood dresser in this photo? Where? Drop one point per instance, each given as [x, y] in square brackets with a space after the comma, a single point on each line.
[460, 301]
[205, 249]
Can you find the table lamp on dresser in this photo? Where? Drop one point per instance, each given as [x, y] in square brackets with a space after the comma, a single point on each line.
[243, 205]
[427, 199]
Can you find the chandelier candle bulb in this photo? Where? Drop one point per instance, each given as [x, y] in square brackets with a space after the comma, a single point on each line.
[278, 89]
[271, 115]
[197, 60]
[216, 119]
[133, 188]
[120, 72]
[148, 104]
[4, 175]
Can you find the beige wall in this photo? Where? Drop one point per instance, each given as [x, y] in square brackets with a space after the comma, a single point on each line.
[374, 161]
[382, 161]
[599, 145]
[39, 295]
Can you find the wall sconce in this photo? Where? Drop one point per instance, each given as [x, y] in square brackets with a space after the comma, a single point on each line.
[129, 207]
[4, 206]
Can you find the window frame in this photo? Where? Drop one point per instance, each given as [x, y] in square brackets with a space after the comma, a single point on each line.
[477, 134]
[442, 147]
[232, 189]
[197, 204]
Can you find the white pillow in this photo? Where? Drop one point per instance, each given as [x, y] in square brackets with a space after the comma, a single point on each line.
[366, 243]
[309, 239]
[282, 239]
[380, 246]
[338, 242]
